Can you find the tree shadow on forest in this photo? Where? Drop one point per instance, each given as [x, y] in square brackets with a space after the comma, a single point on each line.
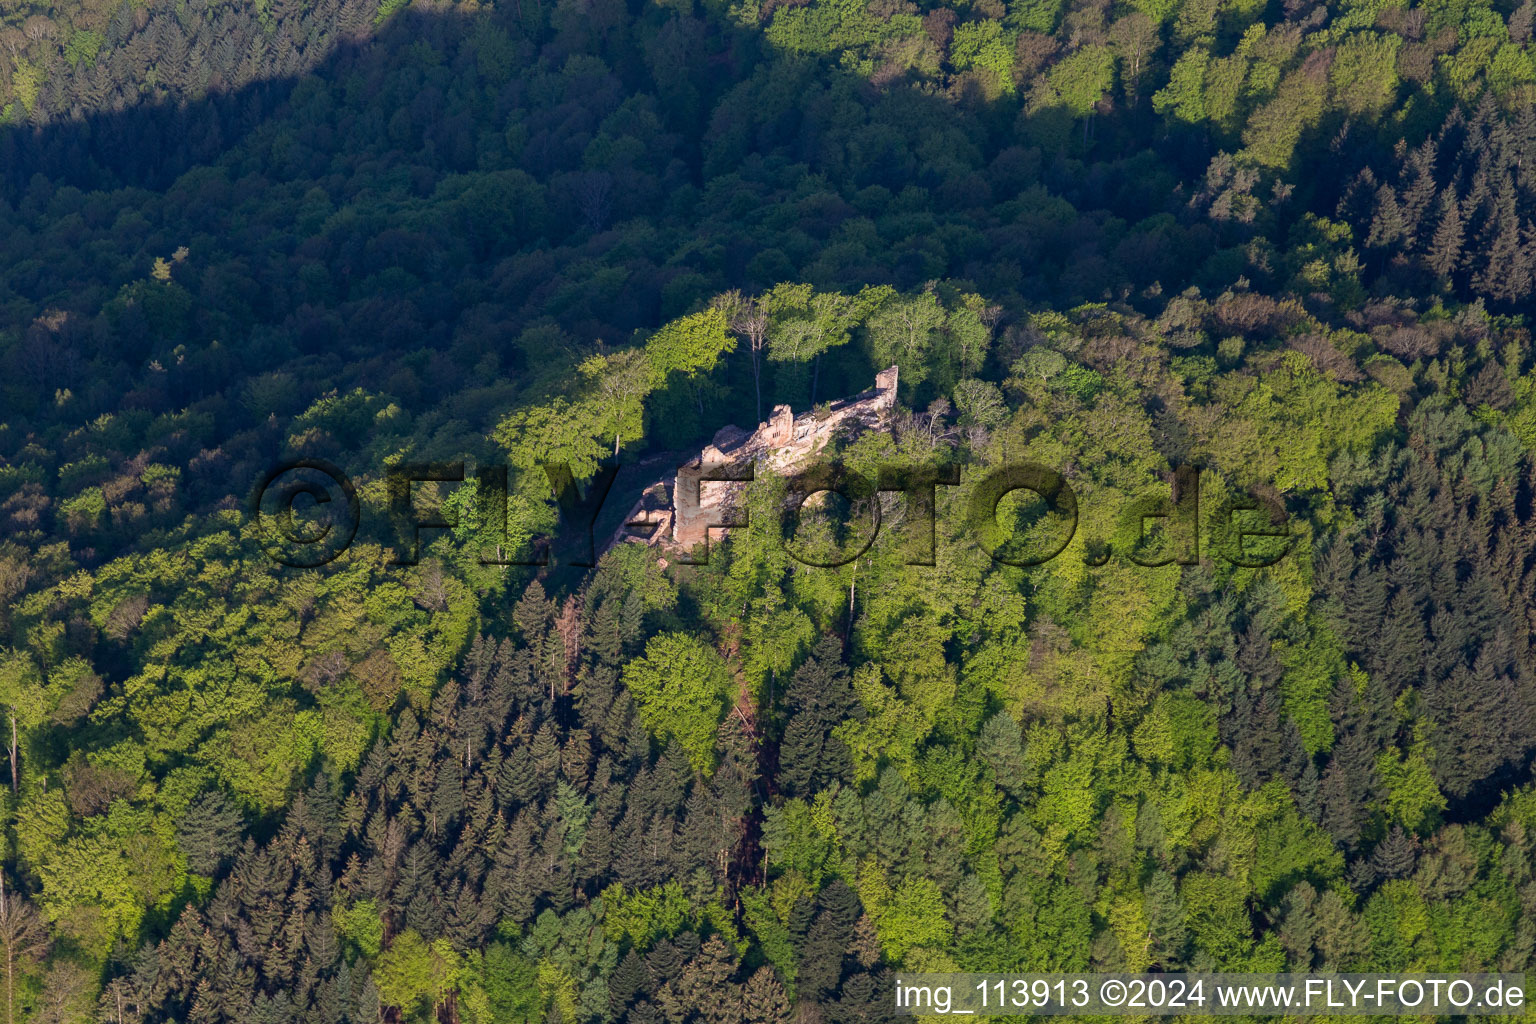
[581, 262]
[1054, 251]
[149, 145]
[1135, 168]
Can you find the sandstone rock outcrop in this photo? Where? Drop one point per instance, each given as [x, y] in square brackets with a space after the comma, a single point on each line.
[667, 513]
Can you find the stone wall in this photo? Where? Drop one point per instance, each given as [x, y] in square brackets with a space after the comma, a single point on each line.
[666, 512]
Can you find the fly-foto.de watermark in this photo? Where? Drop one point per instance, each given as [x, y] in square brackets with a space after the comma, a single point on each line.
[1021, 514]
[1196, 994]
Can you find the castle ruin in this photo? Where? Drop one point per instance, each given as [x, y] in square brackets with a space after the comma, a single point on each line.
[783, 445]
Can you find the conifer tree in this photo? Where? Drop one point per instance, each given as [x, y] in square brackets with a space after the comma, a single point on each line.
[1444, 255]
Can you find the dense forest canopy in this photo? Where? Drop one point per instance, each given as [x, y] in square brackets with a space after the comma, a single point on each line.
[1290, 243]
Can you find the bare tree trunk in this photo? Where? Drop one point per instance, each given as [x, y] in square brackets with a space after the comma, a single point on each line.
[757, 384]
[750, 318]
[853, 581]
[24, 936]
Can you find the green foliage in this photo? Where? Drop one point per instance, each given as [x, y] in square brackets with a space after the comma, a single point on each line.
[501, 986]
[1363, 75]
[1082, 79]
[643, 917]
[1413, 799]
[1035, 15]
[1215, 911]
[27, 83]
[416, 976]
[910, 916]
[682, 688]
[1276, 127]
[986, 46]
[361, 925]
[1178, 731]
[83, 46]
[691, 344]
[1182, 97]
[832, 25]
[559, 432]
[903, 331]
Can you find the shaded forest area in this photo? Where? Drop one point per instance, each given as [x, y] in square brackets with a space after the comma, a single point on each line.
[1290, 243]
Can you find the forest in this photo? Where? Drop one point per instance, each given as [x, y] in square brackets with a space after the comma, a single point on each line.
[1288, 243]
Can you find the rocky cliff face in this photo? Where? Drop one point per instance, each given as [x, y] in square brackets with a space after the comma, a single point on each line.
[668, 515]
